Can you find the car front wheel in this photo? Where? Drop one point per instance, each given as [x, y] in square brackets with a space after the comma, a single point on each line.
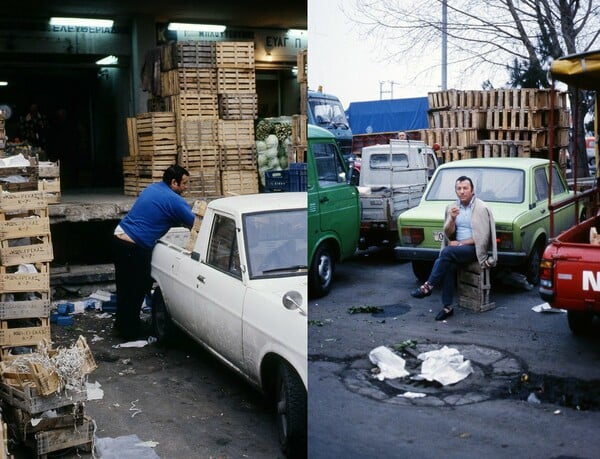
[291, 412]
[321, 272]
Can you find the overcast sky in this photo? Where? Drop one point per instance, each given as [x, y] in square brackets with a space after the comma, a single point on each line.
[351, 67]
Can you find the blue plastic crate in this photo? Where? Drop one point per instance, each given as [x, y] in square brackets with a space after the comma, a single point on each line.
[297, 175]
[277, 181]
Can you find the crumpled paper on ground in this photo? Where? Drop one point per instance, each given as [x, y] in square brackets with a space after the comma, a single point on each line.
[445, 365]
[390, 365]
[125, 447]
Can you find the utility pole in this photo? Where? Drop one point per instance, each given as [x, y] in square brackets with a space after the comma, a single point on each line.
[444, 45]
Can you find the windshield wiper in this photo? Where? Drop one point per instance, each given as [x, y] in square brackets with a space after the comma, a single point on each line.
[287, 268]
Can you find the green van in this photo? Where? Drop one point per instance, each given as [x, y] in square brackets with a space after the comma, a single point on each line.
[333, 210]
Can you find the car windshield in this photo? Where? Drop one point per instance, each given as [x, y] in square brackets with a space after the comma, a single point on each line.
[492, 184]
[328, 112]
[276, 243]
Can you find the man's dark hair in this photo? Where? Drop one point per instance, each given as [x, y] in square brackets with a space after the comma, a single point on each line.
[462, 178]
[174, 172]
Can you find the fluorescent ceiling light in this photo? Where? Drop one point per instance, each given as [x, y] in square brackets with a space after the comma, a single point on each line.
[196, 27]
[296, 32]
[82, 22]
[3, 83]
[108, 60]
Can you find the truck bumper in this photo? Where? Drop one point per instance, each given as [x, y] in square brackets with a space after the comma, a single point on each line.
[423, 254]
[547, 294]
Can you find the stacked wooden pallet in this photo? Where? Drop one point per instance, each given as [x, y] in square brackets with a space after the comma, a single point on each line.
[503, 122]
[49, 180]
[210, 87]
[152, 148]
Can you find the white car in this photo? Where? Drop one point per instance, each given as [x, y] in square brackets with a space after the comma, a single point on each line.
[241, 292]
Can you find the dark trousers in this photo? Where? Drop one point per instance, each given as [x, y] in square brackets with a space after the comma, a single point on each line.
[133, 282]
[444, 269]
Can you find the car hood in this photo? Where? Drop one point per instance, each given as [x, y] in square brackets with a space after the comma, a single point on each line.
[433, 212]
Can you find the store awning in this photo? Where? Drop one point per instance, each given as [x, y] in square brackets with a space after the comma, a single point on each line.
[580, 70]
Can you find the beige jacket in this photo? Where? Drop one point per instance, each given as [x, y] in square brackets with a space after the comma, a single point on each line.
[484, 232]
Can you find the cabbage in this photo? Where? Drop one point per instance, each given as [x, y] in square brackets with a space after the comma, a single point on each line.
[283, 162]
[261, 145]
[262, 160]
[271, 140]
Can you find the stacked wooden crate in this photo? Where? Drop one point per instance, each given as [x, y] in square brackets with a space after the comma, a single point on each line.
[49, 180]
[48, 381]
[495, 123]
[152, 148]
[210, 87]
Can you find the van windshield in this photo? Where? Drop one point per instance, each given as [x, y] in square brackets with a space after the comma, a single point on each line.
[327, 112]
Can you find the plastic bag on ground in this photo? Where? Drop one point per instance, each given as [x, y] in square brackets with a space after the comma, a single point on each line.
[446, 366]
[390, 365]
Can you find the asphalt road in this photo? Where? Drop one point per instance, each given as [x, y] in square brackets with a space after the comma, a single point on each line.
[180, 400]
[517, 355]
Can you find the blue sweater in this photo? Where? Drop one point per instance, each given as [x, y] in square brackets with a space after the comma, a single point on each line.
[156, 210]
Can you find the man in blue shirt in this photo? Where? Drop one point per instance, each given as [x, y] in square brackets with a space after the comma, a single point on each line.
[469, 232]
[158, 208]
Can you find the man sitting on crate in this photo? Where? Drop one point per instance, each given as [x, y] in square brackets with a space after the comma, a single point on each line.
[469, 232]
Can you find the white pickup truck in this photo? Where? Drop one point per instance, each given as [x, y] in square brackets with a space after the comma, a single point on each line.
[393, 178]
[241, 292]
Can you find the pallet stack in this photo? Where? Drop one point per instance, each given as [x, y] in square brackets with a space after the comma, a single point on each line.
[34, 384]
[495, 123]
[26, 392]
[211, 90]
[49, 180]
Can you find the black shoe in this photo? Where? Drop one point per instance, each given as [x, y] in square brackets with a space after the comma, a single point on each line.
[421, 292]
[444, 313]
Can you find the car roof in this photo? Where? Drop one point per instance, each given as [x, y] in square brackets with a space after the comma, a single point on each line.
[248, 203]
[316, 132]
[515, 163]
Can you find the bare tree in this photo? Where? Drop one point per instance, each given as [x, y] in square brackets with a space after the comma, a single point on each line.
[494, 33]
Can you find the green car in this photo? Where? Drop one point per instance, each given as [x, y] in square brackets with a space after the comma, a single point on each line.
[515, 190]
[333, 210]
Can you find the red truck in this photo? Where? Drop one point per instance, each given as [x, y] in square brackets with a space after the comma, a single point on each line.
[570, 275]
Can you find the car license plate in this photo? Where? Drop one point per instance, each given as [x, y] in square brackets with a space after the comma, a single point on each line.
[438, 236]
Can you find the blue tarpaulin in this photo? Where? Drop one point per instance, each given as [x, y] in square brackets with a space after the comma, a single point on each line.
[388, 115]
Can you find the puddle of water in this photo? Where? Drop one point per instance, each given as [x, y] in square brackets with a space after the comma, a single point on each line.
[392, 310]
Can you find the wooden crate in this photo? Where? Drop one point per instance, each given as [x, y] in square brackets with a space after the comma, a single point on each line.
[30, 401]
[196, 54]
[234, 133]
[160, 125]
[504, 149]
[22, 202]
[59, 439]
[198, 209]
[153, 166]
[302, 64]
[194, 132]
[204, 182]
[236, 54]
[239, 157]
[205, 156]
[66, 416]
[236, 182]
[11, 334]
[473, 288]
[194, 104]
[239, 106]
[197, 79]
[234, 80]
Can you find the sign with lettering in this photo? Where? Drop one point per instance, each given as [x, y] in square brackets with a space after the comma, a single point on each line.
[590, 281]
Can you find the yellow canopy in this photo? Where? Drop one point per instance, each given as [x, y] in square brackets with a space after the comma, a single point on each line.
[580, 70]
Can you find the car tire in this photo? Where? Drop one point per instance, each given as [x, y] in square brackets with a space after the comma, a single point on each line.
[531, 269]
[291, 407]
[162, 325]
[321, 272]
[422, 269]
[580, 322]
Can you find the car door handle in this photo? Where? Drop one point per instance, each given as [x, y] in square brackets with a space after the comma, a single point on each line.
[201, 278]
[324, 199]
[543, 211]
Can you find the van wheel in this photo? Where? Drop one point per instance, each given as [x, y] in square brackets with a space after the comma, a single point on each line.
[291, 412]
[580, 322]
[321, 272]
[422, 269]
[162, 325]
